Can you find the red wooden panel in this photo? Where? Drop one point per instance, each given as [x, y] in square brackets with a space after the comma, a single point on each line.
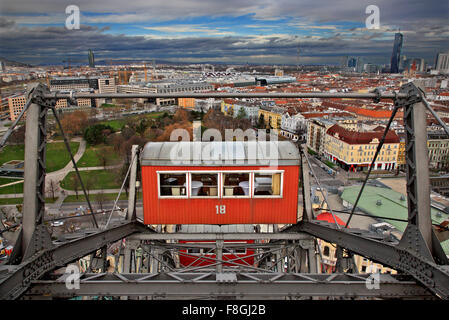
[193, 260]
[203, 211]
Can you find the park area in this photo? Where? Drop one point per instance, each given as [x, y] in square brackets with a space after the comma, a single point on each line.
[93, 180]
[57, 154]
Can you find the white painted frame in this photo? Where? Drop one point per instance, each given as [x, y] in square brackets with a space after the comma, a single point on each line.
[220, 185]
[158, 173]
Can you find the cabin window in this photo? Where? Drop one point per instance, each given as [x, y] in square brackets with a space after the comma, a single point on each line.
[172, 184]
[210, 251]
[193, 251]
[204, 185]
[326, 251]
[267, 184]
[238, 249]
[236, 185]
[234, 251]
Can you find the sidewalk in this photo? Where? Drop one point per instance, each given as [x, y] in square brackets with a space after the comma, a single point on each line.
[12, 183]
[59, 175]
[97, 168]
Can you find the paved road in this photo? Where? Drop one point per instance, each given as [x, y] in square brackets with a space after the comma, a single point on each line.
[323, 176]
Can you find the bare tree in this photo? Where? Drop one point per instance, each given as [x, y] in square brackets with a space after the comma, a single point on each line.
[75, 183]
[52, 188]
[90, 183]
[103, 156]
[101, 199]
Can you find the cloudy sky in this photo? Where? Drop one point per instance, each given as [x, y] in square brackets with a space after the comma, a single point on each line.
[233, 31]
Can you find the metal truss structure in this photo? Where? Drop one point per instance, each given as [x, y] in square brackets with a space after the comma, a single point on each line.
[286, 261]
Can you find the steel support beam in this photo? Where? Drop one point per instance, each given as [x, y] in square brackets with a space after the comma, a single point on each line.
[307, 213]
[434, 277]
[34, 176]
[14, 280]
[417, 166]
[132, 184]
[220, 236]
[219, 255]
[383, 95]
[239, 285]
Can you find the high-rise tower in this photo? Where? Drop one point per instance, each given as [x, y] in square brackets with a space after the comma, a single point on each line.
[396, 56]
[91, 57]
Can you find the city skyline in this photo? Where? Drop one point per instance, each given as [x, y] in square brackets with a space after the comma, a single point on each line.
[240, 32]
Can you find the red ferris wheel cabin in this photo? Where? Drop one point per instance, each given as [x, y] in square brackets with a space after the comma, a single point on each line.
[230, 182]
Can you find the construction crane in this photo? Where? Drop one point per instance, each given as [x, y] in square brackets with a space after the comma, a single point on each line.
[69, 62]
[124, 74]
[111, 72]
[145, 70]
[153, 69]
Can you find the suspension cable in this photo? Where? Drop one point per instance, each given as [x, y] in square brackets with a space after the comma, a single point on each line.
[379, 146]
[120, 192]
[321, 189]
[75, 166]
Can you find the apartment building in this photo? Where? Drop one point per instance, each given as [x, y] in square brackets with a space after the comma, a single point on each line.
[400, 162]
[16, 104]
[353, 150]
[187, 103]
[107, 85]
[293, 126]
[233, 108]
[271, 116]
[316, 132]
[125, 88]
[438, 145]
[4, 108]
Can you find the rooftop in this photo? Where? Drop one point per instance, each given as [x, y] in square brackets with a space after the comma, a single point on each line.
[220, 153]
[392, 204]
[356, 137]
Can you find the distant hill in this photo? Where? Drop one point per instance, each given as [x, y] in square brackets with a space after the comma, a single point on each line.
[10, 63]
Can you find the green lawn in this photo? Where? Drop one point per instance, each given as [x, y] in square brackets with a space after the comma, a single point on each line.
[90, 158]
[15, 188]
[101, 179]
[57, 155]
[115, 124]
[108, 105]
[154, 115]
[20, 201]
[93, 197]
[11, 201]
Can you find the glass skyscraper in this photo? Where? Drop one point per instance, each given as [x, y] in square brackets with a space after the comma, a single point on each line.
[396, 56]
[91, 57]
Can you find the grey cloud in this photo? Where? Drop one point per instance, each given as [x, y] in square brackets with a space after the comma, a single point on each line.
[424, 34]
[5, 23]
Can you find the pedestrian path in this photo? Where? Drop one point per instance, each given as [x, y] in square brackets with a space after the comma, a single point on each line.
[12, 183]
[58, 176]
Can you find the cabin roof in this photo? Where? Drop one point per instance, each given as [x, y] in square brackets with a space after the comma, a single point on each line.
[220, 153]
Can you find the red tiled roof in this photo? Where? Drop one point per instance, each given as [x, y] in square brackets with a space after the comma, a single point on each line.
[277, 101]
[355, 137]
[327, 216]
